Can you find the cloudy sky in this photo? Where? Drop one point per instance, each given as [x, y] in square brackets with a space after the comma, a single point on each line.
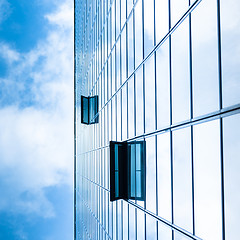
[36, 119]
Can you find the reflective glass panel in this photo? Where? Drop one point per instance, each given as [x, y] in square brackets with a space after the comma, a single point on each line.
[231, 151]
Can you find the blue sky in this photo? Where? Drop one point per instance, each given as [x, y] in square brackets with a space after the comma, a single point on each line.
[36, 119]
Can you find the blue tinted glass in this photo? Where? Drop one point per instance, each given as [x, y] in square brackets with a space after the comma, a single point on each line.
[138, 184]
[116, 157]
[116, 184]
[85, 110]
[133, 171]
[138, 156]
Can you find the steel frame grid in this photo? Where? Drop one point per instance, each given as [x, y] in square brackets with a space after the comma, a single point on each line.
[118, 91]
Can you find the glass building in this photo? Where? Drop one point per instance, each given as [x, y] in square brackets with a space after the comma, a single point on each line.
[166, 73]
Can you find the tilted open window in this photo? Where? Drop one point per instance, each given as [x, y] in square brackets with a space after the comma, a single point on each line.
[128, 170]
[89, 110]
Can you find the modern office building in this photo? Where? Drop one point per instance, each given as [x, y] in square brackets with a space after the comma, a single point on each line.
[164, 74]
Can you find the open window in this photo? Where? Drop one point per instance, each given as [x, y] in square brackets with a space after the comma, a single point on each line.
[89, 110]
[128, 170]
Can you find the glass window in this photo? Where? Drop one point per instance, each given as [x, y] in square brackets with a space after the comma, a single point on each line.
[148, 26]
[118, 69]
[130, 52]
[182, 179]
[124, 112]
[84, 110]
[129, 6]
[113, 23]
[89, 109]
[132, 222]
[118, 6]
[164, 232]
[139, 101]
[140, 225]
[161, 19]
[207, 180]
[178, 8]
[123, 56]
[127, 170]
[151, 174]
[131, 126]
[164, 176]
[119, 116]
[180, 73]
[231, 152]
[150, 95]
[125, 220]
[230, 20]
[137, 171]
[205, 58]
[123, 12]
[163, 86]
[151, 228]
[138, 34]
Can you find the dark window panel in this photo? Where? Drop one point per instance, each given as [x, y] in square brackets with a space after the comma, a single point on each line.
[89, 110]
[127, 170]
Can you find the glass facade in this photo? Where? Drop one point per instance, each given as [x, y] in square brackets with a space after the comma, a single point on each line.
[166, 72]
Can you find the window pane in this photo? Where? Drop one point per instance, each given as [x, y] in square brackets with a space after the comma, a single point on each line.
[116, 184]
[149, 95]
[151, 229]
[208, 188]
[164, 232]
[139, 101]
[182, 178]
[130, 46]
[150, 174]
[131, 222]
[232, 177]
[138, 34]
[140, 225]
[124, 112]
[123, 12]
[133, 170]
[131, 108]
[123, 56]
[84, 109]
[161, 19]
[148, 26]
[230, 20]
[205, 58]
[164, 175]
[178, 8]
[180, 73]
[163, 83]
[129, 6]
[125, 220]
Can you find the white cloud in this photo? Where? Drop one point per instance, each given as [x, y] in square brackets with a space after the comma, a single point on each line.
[8, 54]
[5, 10]
[36, 142]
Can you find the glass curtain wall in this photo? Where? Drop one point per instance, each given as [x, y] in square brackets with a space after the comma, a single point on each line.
[167, 72]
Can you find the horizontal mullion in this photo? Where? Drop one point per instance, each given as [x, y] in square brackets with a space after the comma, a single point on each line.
[235, 109]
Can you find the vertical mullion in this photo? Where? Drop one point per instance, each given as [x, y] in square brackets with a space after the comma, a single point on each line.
[155, 82]
[221, 120]
[115, 7]
[127, 95]
[170, 79]
[107, 109]
[191, 116]
[144, 125]
[134, 115]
